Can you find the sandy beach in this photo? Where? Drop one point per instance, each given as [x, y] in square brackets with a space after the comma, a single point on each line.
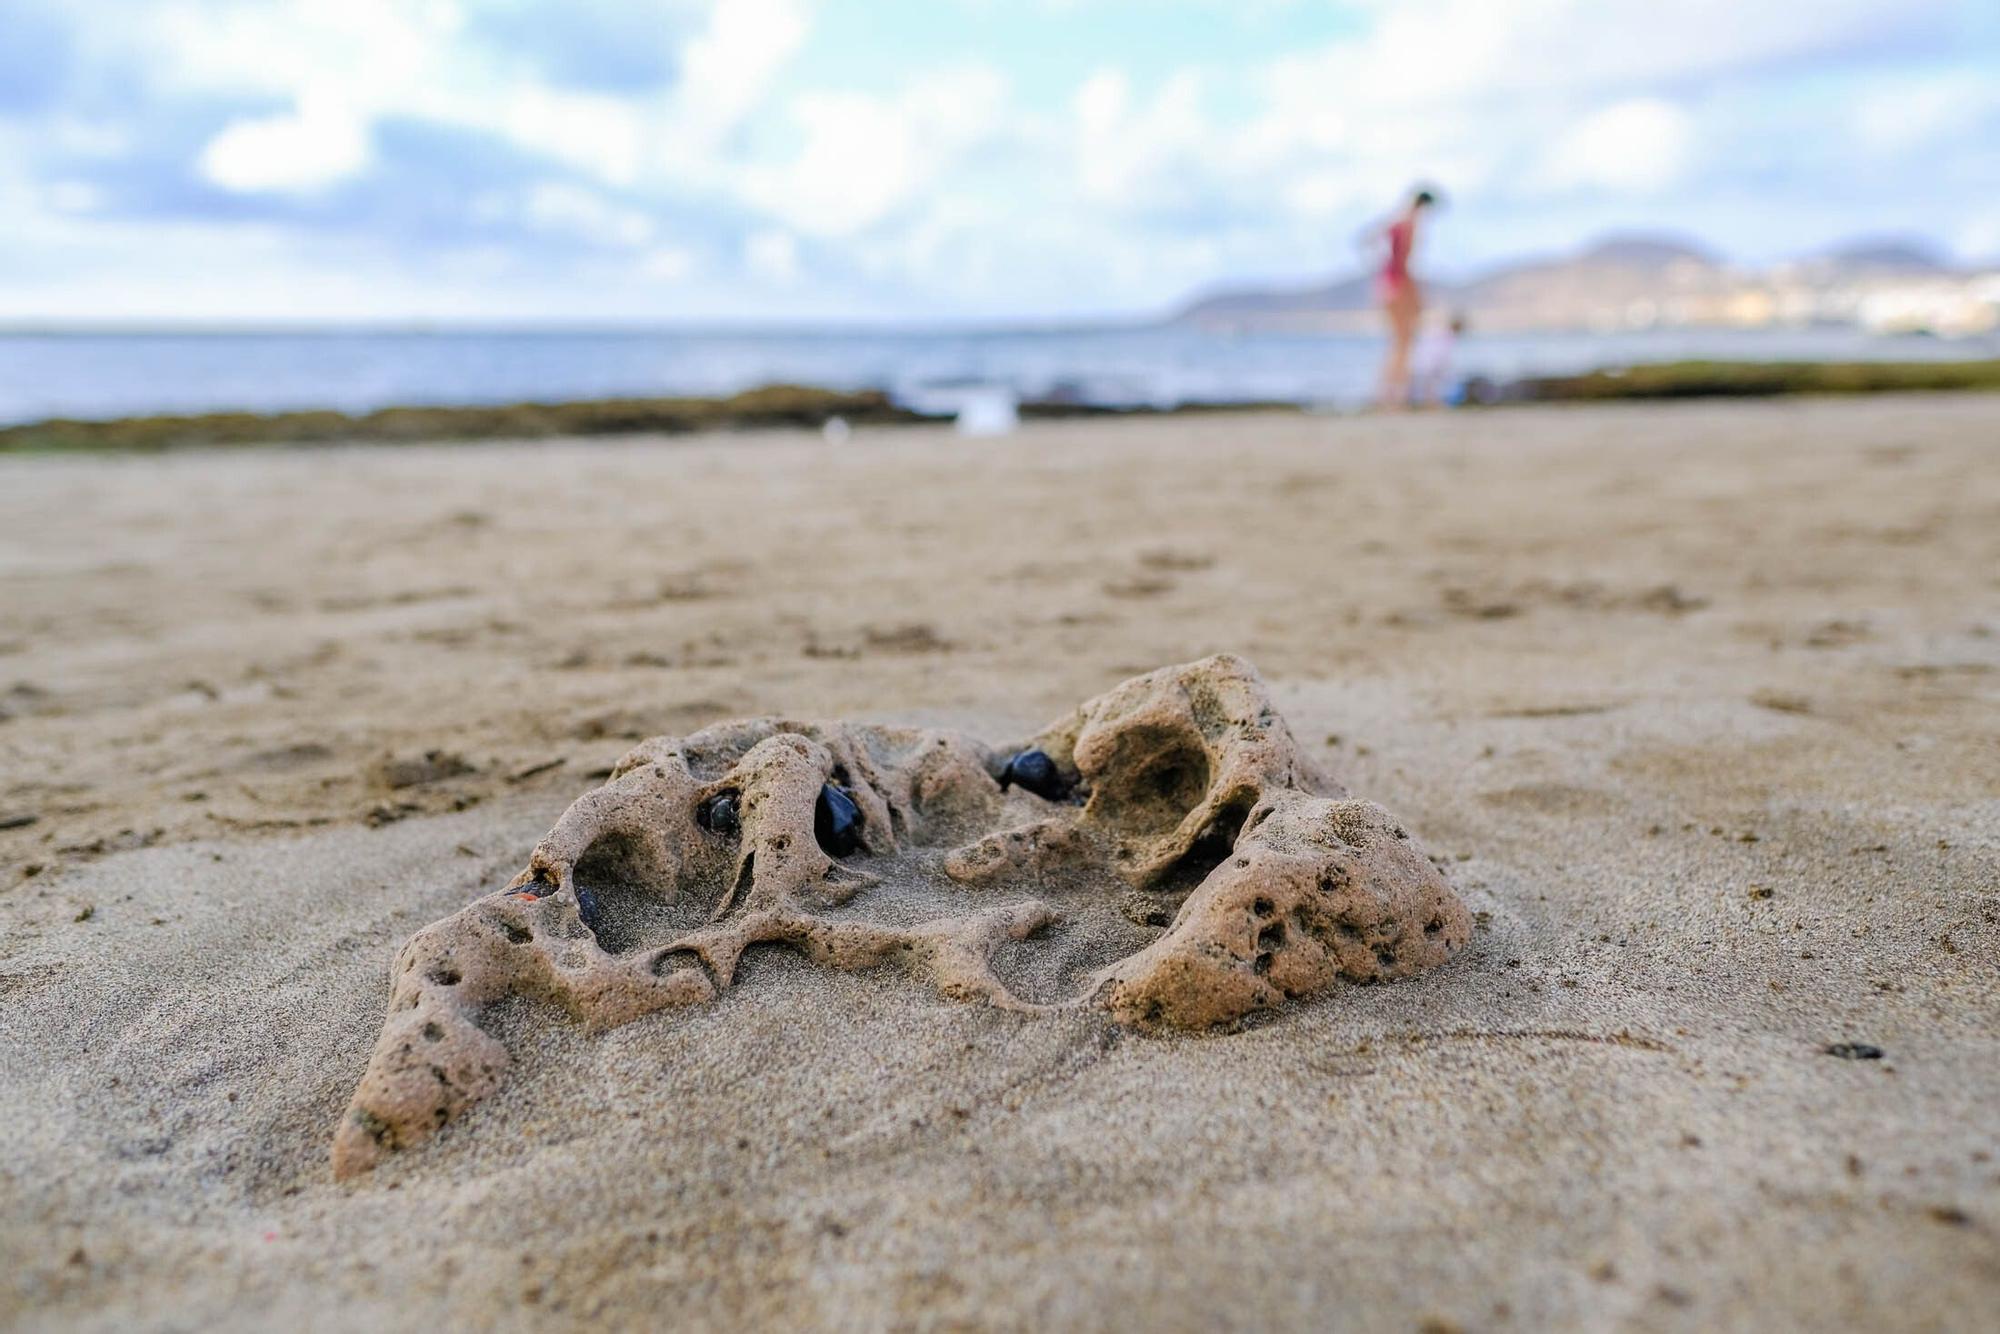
[1699, 705]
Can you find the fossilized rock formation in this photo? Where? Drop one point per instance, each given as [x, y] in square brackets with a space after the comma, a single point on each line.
[1180, 794]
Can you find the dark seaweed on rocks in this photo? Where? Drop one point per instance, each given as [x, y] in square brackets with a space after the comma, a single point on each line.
[1753, 379]
[771, 406]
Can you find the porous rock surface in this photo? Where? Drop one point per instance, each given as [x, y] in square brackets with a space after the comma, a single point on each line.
[1181, 790]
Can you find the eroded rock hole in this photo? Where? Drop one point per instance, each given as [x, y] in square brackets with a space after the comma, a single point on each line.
[1210, 849]
[762, 960]
[678, 961]
[746, 876]
[1152, 795]
[627, 897]
[443, 975]
[1177, 783]
[1056, 963]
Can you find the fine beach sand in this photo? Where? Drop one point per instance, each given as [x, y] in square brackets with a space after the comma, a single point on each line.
[1699, 705]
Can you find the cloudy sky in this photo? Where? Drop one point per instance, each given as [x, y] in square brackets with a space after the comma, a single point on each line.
[760, 160]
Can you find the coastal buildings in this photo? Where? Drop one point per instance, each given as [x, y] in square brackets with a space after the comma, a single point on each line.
[1625, 284]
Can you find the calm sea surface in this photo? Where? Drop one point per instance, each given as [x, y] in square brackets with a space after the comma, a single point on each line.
[113, 375]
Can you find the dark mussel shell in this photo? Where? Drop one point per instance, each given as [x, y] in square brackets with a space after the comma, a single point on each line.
[718, 813]
[1855, 1051]
[837, 821]
[1035, 772]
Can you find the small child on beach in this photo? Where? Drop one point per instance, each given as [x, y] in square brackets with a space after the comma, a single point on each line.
[1432, 382]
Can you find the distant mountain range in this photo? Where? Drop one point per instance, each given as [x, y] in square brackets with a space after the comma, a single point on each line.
[1642, 281]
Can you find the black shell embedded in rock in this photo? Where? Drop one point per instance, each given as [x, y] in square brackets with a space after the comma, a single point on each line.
[836, 821]
[1034, 771]
[718, 813]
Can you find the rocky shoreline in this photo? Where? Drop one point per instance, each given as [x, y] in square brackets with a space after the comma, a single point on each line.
[777, 406]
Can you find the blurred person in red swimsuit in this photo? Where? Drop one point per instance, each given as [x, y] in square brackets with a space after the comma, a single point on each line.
[1396, 288]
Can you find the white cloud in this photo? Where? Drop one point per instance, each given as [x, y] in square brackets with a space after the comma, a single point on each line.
[1129, 153]
[559, 206]
[1905, 114]
[772, 256]
[374, 53]
[604, 136]
[318, 144]
[87, 139]
[728, 67]
[73, 197]
[667, 263]
[568, 211]
[1978, 237]
[1420, 52]
[1638, 146]
[408, 59]
[1102, 99]
[756, 172]
[858, 161]
[1474, 92]
[862, 155]
[1319, 194]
